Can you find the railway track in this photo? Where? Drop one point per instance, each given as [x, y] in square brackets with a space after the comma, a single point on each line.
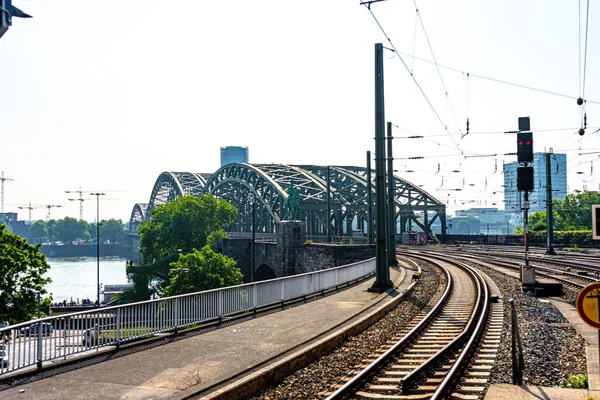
[587, 264]
[439, 354]
[572, 281]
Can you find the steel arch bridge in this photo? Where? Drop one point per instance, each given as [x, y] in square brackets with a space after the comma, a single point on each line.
[343, 191]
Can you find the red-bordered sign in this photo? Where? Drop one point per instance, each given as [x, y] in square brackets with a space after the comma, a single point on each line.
[588, 305]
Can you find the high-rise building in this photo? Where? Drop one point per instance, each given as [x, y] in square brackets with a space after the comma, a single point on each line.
[513, 199]
[233, 154]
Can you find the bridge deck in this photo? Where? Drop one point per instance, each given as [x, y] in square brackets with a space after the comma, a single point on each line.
[195, 362]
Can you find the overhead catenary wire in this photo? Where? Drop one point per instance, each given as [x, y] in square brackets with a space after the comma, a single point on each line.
[456, 141]
[472, 75]
[412, 76]
[449, 102]
[587, 15]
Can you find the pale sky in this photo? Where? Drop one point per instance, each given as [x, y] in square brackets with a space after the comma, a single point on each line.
[106, 96]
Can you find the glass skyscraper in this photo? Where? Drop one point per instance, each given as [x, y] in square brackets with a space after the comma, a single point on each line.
[233, 154]
[513, 199]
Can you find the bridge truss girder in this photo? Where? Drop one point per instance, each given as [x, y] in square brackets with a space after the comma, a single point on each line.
[269, 185]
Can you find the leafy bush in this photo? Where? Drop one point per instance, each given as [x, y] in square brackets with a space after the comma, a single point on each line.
[578, 381]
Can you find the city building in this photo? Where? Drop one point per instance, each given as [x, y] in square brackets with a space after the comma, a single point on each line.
[234, 154]
[480, 220]
[513, 199]
[15, 226]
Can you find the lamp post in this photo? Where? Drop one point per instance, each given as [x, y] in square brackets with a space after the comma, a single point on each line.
[98, 246]
[39, 299]
[252, 265]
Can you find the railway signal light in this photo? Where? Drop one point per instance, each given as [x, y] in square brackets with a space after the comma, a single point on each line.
[524, 147]
[525, 178]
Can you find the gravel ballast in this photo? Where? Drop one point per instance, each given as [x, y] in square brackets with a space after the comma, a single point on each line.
[553, 350]
[331, 369]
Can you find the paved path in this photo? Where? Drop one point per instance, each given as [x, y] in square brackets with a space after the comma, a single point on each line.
[205, 359]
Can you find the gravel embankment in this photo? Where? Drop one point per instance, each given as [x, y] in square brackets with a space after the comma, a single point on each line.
[332, 368]
[553, 350]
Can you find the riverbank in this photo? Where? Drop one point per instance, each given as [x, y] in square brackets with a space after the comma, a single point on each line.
[75, 279]
[84, 250]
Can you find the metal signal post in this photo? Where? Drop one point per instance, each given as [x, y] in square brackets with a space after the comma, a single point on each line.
[525, 184]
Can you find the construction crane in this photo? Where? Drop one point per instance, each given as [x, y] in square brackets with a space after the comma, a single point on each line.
[80, 200]
[50, 206]
[28, 207]
[2, 180]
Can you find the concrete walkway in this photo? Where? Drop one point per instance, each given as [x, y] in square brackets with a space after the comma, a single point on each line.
[203, 360]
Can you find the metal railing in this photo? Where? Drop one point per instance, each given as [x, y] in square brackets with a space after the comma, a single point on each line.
[68, 334]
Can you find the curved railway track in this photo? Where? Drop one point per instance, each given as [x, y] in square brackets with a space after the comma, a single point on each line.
[428, 358]
[573, 275]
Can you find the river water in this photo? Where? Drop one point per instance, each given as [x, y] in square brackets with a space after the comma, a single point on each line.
[76, 277]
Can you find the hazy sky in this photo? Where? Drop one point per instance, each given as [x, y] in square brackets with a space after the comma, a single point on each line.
[106, 96]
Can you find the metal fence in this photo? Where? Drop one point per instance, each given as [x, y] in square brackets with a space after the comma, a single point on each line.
[34, 342]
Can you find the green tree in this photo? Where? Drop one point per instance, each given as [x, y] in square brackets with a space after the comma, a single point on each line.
[111, 230]
[38, 230]
[22, 267]
[183, 225]
[574, 212]
[537, 221]
[70, 229]
[202, 270]
[51, 226]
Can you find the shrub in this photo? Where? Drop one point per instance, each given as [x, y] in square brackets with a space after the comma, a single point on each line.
[577, 381]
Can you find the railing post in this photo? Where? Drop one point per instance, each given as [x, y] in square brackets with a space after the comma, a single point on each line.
[282, 282]
[255, 296]
[118, 327]
[220, 304]
[39, 344]
[176, 314]
[518, 363]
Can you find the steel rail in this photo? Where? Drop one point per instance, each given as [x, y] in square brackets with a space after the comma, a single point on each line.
[553, 275]
[463, 359]
[480, 304]
[350, 386]
[540, 258]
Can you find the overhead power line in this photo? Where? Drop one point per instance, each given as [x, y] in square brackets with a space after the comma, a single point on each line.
[495, 79]
[413, 77]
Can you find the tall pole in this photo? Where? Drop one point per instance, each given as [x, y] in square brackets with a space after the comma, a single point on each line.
[369, 199]
[391, 203]
[253, 239]
[528, 277]
[97, 246]
[328, 216]
[549, 214]
[382, 279]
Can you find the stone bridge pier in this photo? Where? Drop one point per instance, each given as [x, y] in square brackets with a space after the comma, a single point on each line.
[291, 254]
